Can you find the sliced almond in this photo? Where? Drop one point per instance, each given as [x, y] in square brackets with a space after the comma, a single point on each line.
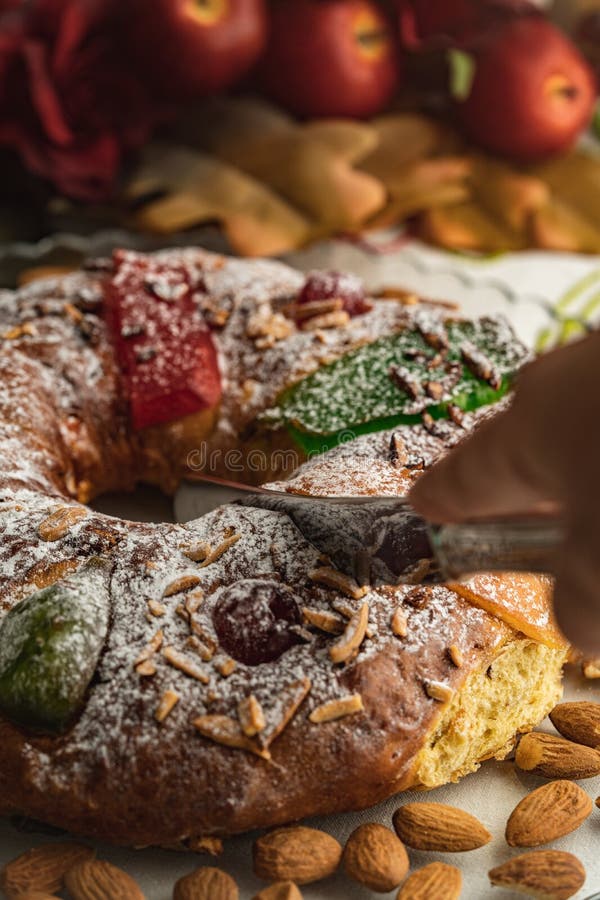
[354, 634]
[73, 313]
[439, 691]
[180, 585]
[337, 709]
[226, 666]
[197, 552]
[281, 890]
[437, 881]
[549, 812]
[60, 523]
[226, 731]
[438, 826]
[94, 879]
[146, 668]
[339, 582]
[251, 716]
[156, 609]
[203, 635]
[169, 701]
[153, 646]
[301, 311]
[545, 874]
[182, 612]
[391, 292]
[193, 602]
[375, 856]
[205, 652]
[268, 327]
[399, 455]
[19, 331]
[556, 757]
[337, 319]
[218, 552]
[207, 883]
[578, 721]
[184, 664]
[288, 702]
[328, 622]
[399, 623]
[298, 854]
[41, 869]
[456, 656]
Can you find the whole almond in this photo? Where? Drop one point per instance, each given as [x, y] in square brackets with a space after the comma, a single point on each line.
[437, 881]
[579, 721]
[556, 757]
[437, 826]
[42, 869]
[283, 890]
[206, 883]
[296, 854]
[545, 874]
[549, 812]
[95, 879]
[375, 857]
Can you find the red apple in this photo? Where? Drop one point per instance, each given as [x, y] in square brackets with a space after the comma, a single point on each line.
[191, 48]
[532, 92]
[430, 23]
[330, 58]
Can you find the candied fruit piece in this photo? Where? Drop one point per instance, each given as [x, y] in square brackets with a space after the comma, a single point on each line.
[254, 620]
[336, 286]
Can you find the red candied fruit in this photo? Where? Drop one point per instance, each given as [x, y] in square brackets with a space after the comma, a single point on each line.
[336, 286]
[254, 620]
[164, 348]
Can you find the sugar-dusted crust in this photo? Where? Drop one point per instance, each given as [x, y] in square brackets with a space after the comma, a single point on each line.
[120, 774]
[366, 465]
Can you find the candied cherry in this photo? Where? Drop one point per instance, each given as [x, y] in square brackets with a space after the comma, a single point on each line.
[336, 285]
[253, 619]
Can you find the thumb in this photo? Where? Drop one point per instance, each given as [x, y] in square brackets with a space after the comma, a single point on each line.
[497, 470]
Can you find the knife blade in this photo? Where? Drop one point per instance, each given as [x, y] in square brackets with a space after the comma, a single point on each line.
[381, 540]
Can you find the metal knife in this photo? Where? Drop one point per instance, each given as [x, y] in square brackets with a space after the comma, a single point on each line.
[381, 540]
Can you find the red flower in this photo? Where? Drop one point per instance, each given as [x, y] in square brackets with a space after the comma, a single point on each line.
[435, 23]
[70, 104]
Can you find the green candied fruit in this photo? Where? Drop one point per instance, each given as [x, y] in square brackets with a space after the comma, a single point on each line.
[355, 394]
[50, 644]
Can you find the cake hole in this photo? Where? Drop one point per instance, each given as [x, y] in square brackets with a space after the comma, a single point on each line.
[144, 504]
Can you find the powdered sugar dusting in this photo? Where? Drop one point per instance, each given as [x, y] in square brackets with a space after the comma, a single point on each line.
[65, 434]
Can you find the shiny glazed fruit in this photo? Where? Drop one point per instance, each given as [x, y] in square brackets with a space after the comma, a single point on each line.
[336, 286]
[253, 620]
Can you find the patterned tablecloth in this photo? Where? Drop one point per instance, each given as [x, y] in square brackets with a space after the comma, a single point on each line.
[542, 294]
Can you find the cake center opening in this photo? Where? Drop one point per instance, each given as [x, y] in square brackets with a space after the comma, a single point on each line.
[144, 504]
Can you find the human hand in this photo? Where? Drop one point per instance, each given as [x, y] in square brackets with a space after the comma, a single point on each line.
[545, 449]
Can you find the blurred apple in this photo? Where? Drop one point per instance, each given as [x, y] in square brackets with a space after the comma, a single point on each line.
[191, 48]
[431, 23]
[532, 92]
[330, 58]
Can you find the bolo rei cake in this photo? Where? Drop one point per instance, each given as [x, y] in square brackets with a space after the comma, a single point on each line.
[160, 683]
